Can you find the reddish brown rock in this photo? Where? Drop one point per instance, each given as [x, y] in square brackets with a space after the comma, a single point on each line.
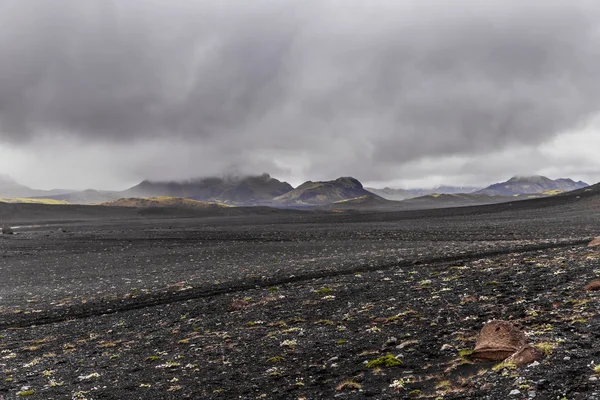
[593, 285]
[498, 340]
[525, 355]
[595, 242]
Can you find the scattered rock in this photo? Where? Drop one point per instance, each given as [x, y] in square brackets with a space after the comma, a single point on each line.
[498, 340]
[593, 285]
[446, 347]
[526, 355]
[7, 230]
[595, 242]
[469, 299]
[514, 392]
[238, 305]
[407, 343]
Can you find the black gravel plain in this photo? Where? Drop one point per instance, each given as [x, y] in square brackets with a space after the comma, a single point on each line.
[293, 305]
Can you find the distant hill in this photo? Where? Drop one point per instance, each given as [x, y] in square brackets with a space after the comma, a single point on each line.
[403, 194]
[163, 201]
[532, 185]
[365, 203]
[89, 196]
[320, 193]
[250, 190]
[391, 194]
[11, 189]
[430, 201]
[443, 189]
[462, 200]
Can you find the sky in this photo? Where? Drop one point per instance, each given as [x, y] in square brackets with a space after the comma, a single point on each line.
[400, 93]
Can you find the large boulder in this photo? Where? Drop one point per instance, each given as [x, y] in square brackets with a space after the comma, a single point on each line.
[498, 340]
[502, 341]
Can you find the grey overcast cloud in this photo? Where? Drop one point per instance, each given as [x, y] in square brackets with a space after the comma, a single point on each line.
[403, 93]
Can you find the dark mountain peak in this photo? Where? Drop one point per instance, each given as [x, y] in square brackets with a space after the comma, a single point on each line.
[324, 192]
[349, 181]
[571, 181]
[307, 184]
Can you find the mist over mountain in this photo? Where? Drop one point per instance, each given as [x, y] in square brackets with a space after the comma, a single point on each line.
[236, 190]
[10, 188]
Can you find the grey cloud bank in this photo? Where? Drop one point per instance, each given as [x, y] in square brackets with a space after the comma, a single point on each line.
[126, 90]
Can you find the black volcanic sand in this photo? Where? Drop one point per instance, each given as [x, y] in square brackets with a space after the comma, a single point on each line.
[291, 307]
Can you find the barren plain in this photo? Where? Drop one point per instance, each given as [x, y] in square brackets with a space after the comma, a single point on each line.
[298, 305]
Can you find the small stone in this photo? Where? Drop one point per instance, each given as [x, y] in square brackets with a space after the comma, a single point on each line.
[446, 347]
[566, 358]
[525, 355]
[534, 364]
[514, 392]
[7, 230]
[595, 242]
[532, 394]
[406, 344]
[238, 305]
[593, 285]
[593, 379]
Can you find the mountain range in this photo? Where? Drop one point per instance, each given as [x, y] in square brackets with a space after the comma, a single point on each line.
[345, 193]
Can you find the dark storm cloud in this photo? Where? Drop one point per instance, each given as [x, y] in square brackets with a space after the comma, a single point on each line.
[354, 87]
